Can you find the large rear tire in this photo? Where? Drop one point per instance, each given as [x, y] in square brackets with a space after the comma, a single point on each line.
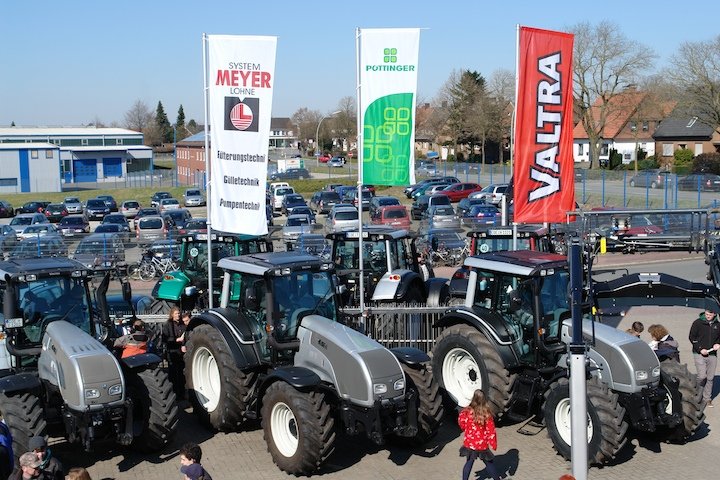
[298, 427]
[677, 377]
[428, 402]
[155, 411]
[465, 360]
[24, 415]
[219, 391]
[159, 307]
[606, 424]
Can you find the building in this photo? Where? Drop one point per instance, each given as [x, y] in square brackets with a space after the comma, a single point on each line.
[29, 167]
[684, 131]
[86, 154]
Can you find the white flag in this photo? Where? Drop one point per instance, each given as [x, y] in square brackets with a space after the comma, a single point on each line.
[240, 83]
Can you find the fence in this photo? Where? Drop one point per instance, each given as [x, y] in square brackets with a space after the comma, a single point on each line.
[144, 179]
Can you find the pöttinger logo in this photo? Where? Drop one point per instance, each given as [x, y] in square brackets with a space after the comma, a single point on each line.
[242, 115]
[390, 55]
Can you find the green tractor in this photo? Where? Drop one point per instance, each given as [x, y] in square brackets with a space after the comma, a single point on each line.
[187, 287]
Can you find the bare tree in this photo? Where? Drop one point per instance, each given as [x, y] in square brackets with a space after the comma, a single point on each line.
[501, 88]
[306, 122]
[139, 117]
[696, 73]
[344, 124]
[605, 63]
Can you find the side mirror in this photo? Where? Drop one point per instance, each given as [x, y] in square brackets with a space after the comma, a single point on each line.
[250, 299]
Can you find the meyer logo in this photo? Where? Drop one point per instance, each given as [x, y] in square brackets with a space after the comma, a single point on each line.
[242, 115]
[390, 58]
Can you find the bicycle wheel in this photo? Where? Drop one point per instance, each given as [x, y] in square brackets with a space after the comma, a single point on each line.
[147, 272]
[133, 271]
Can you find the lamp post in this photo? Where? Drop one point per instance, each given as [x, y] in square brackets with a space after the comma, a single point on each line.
[317, 131]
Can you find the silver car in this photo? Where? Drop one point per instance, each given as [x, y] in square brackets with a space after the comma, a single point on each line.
[296, 225]
[150, 228]
[38, 230]
[73, 205]
[341, 219]
[193, 197]
[20, 222]
[440, 216]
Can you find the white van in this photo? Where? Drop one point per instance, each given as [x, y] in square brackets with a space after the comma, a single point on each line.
[278, 195]
[276, 185]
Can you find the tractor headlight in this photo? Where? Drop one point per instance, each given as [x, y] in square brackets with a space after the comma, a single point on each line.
[115, 390]
[399, 384]
[656, 372]
[92, 393]
[641, 374]
[379, 388]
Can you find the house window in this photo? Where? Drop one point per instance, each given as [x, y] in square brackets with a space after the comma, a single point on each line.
[633, 126]
[698, 149]
[48, 154]
[8, 182]
[604, 150]
[84, 142]
[581, 149]
[667, 149]
[645, 126]
[118, 141]
[682, 146]
[33, 154]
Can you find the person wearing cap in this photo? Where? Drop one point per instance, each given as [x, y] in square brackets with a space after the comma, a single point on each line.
[29, 468]
[190, 456]
[134, 343]
[48, 464]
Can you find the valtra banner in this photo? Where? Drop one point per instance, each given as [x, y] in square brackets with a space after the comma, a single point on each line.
[543, 171]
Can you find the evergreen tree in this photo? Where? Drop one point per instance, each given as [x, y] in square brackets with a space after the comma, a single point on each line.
[12, 124]
[180, 124]
[163, 124]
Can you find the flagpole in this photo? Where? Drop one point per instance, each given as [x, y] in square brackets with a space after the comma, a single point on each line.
[360, 157]
[513, 126]
[207, 173]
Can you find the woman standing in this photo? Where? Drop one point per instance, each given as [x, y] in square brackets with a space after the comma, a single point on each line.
[172, 339]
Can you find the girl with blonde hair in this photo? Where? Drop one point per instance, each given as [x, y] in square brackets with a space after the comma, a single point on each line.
[476, 421]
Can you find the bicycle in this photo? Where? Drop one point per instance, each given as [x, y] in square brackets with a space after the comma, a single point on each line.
[150, 266]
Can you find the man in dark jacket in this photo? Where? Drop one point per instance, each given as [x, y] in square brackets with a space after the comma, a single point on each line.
[705, 339]
[29, 469]
[49, 465]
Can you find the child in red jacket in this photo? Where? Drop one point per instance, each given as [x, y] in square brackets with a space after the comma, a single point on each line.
[477, 422]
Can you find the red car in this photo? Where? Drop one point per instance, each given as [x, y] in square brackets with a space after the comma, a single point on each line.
[458, 191]
[393, 215]
[324, 158]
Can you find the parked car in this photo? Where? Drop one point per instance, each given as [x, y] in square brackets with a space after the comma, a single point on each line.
[32, 207]
[433, 189]
[150, 228]
[325, 158]
[278, 195]
[117, 219]
[341, 219]
[168, 204]
[96, 209]
[74, 225]
[433, 181]
[109, 201]
[130, 208]
[458, 191]
[157, 196]
[338, 158]
[323, 201]
[55, 212]
[651, 178]
[336, 162]
[291, 174]
[8, 239]
[100, 251]
[38, 230]
[290, 201]
[376, 203]
[450, 242]
[73, 205]
[314, 244]
[295, 225]
[176, 219]
[48, 246]
[146, 212]
[275, 185]
[26, 219]
[423, 202]
[393, 215]
[304, 210]
[466, 204]
[114, 228]
[492, 193]
[352, 197]
[194, 225]
[480, 215]
[440, 216]
[193, 197]
[707, 182]
[6, 209]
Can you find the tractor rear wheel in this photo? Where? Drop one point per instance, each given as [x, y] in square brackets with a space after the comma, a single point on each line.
[24, 415]
[299, 428]
[465, 360]
[676, 377]
[155, 411]
[218, 389]
[158, 307]
[606, 426]
[428, 402]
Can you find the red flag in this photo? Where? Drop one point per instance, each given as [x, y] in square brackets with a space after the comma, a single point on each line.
[544, 166]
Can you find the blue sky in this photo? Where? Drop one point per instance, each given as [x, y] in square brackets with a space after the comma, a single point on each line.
[68, 63]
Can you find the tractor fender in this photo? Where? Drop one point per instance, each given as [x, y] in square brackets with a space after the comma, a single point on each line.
[20, 382]
[235, 329]
[410, 356]
[297, 377]
[393, 285]
[490, 323]
[171, 286]
[140, 361]
[437, 291]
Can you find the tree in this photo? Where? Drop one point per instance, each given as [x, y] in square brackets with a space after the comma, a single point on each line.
[344, 124]
[306, 122]
[501, 87]
[138, 117]
[696, 72]
[193, 127]
[464, 93]
[605, 63]
[163, 124]
[180, 127]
